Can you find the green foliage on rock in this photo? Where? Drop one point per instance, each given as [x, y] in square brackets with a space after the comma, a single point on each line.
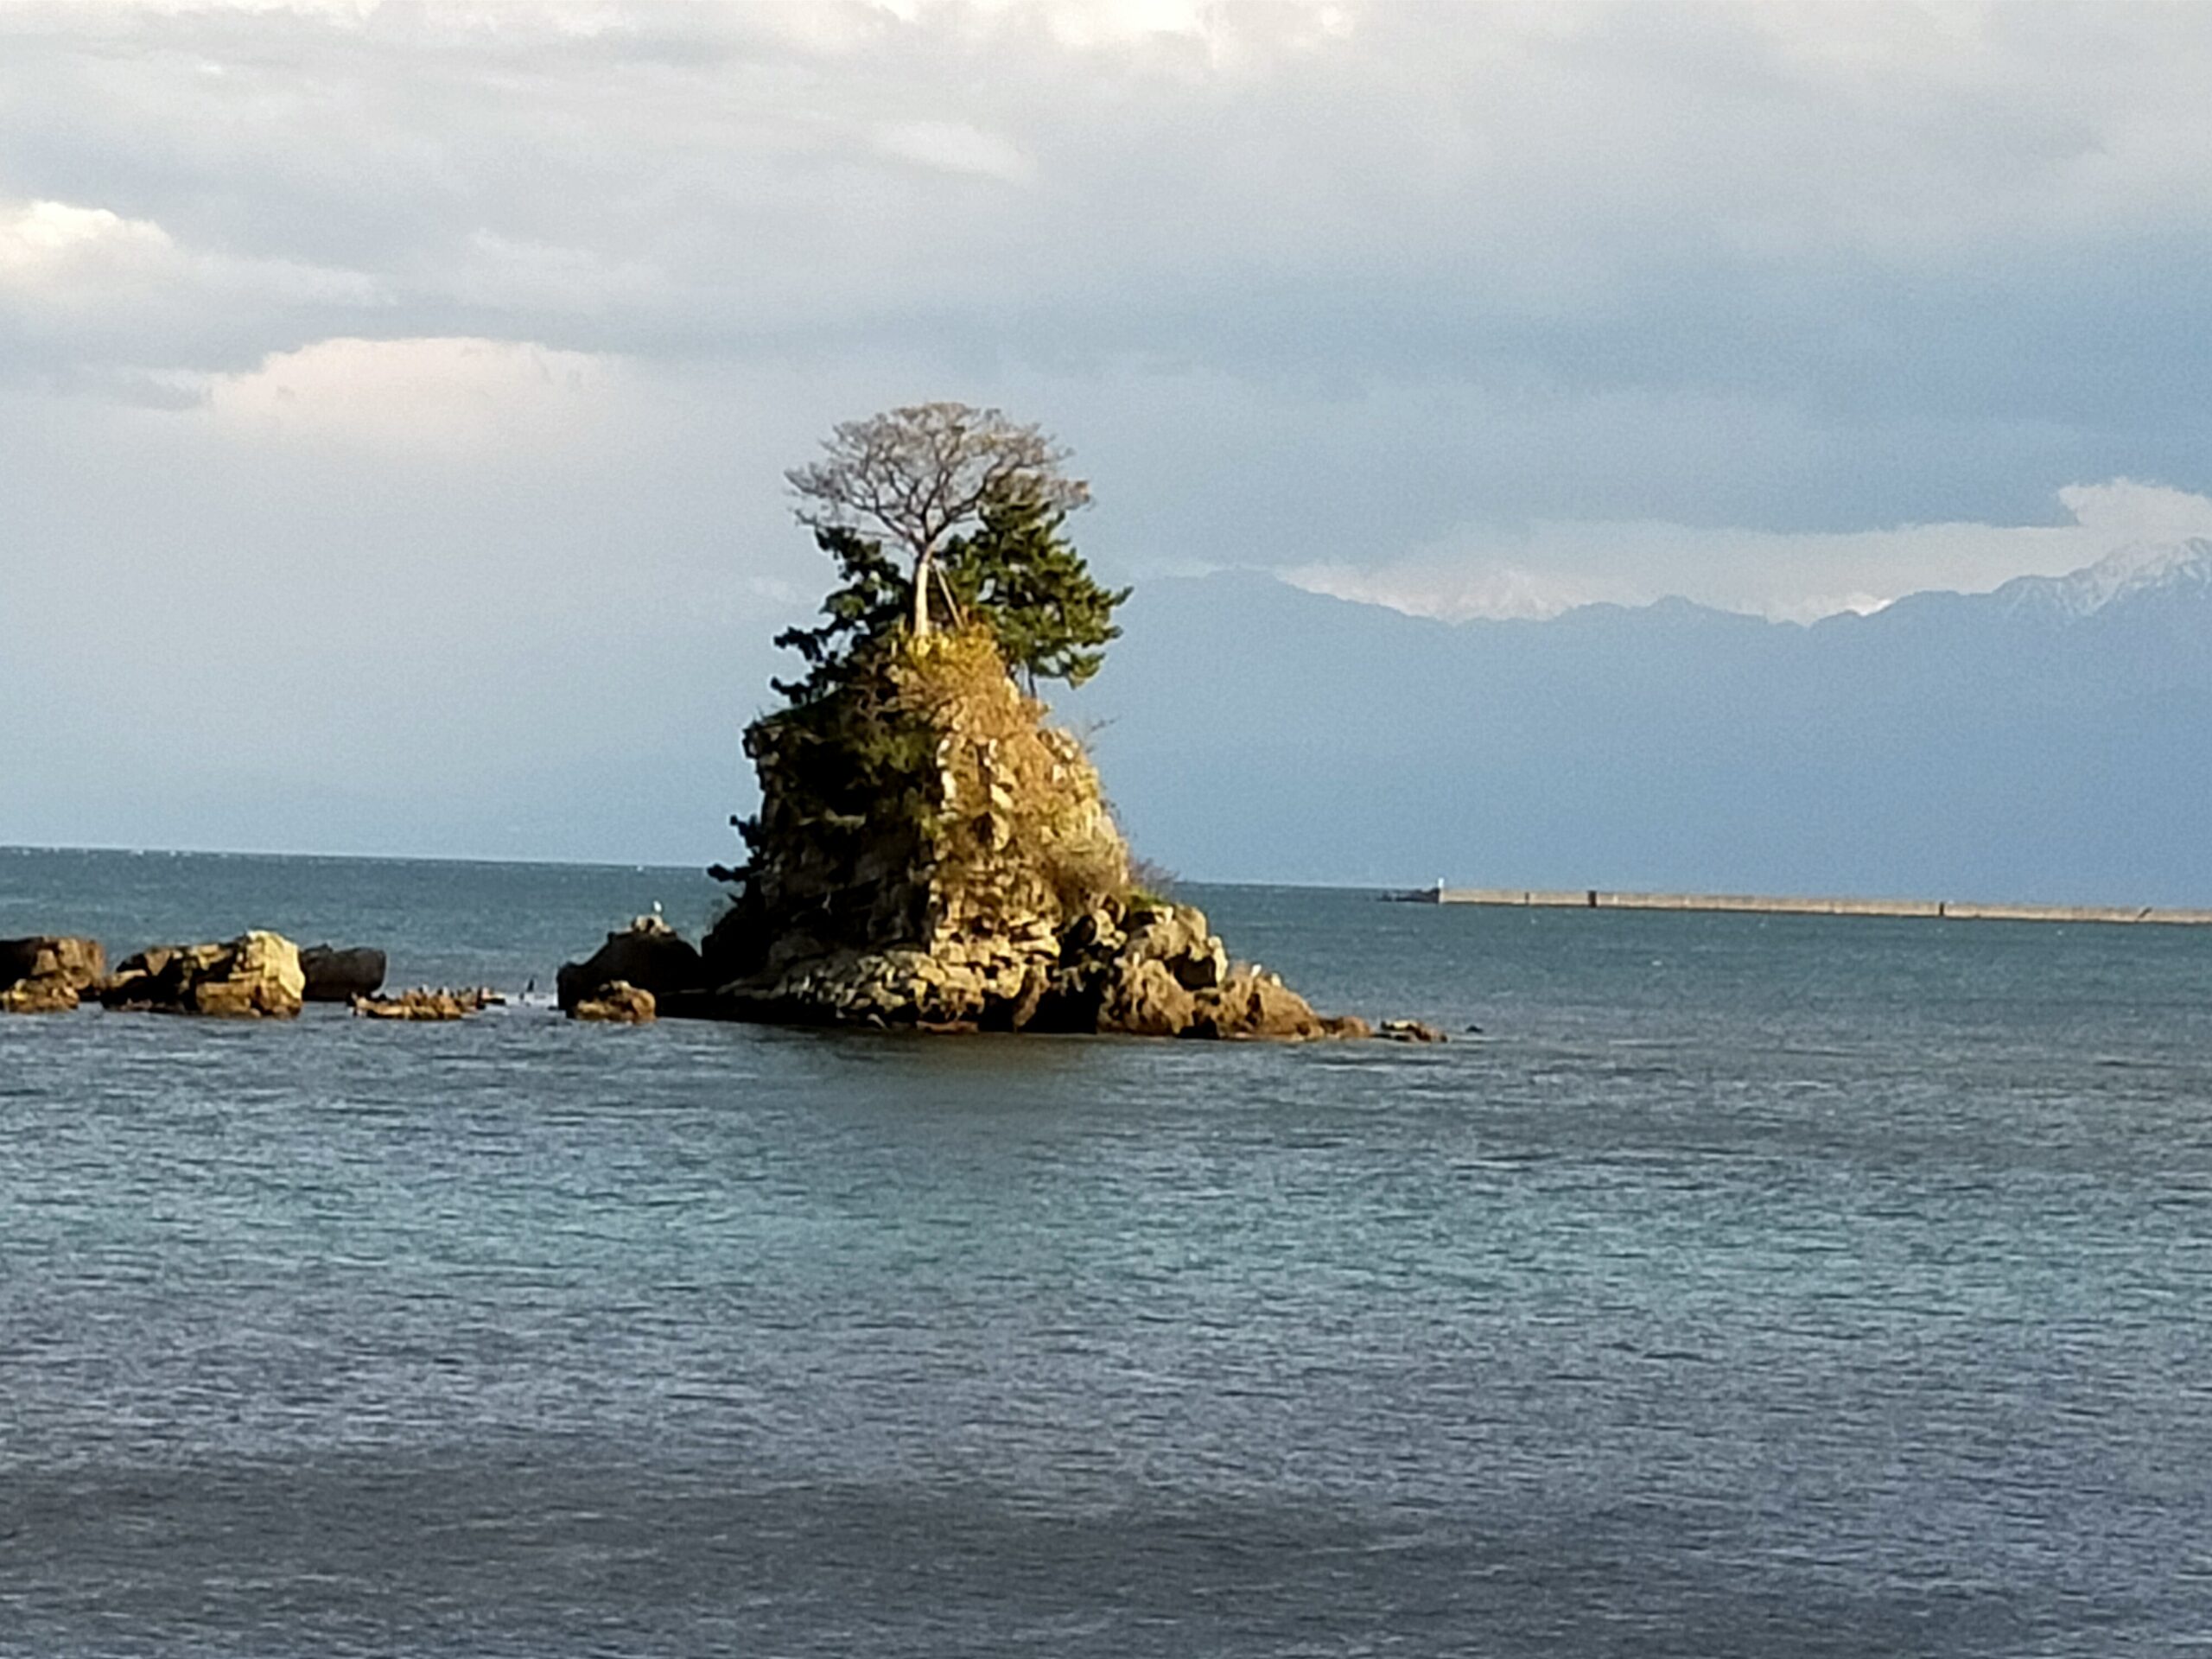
[844, 752]
[1018, 575]
[854, 769]
[864, 610]
[845, 756]
[841, 754]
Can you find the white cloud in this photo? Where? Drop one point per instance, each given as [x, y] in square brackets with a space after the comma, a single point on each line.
[46, 243]
[2124, 512]
[1425, 586]
[459, 399]
[71, 268]
[92, 295]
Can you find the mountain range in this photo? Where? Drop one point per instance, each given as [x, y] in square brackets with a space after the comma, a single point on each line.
[2050, 739]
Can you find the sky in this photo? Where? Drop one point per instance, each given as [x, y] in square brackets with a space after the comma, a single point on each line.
[394, 397]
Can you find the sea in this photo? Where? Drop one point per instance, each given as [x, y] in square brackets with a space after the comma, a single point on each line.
[1725, 1286]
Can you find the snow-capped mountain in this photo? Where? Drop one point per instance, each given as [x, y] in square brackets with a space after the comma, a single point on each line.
[2123, 576]
[2050, 739]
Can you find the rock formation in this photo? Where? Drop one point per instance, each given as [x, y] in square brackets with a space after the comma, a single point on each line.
[648, 954]
[424, 1004]
[335, 975]
[618, 1004]
[929, 853]
[49, 974]
[79, 962]
[39, 996]
[257, 975]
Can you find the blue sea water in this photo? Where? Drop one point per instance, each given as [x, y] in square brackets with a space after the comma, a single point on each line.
[1746, 1287]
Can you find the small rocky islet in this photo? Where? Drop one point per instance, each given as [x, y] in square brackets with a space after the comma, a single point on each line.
[931, 854]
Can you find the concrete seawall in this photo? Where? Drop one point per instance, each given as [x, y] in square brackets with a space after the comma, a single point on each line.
[1759, 904]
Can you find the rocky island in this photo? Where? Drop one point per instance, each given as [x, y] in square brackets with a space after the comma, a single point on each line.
[972, 879]
[929, 852]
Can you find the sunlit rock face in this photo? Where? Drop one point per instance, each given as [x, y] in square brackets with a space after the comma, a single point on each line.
[257, 975]
[930, 853]
[49, 974]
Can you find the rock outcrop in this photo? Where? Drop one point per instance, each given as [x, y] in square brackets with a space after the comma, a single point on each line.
[39, 996]
[931, 854]
[254, 976]
[648, 954]
[49, 974]
[424, 1004]
[336, 975]
[79, 962]
[618, 1004]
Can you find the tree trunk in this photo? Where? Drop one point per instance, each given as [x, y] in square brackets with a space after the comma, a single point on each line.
[923, 565]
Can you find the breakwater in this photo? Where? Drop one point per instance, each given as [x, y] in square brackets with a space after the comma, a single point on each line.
[1763, 904]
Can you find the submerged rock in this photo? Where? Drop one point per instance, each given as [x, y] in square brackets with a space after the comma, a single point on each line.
[254, 976]
[336, 975]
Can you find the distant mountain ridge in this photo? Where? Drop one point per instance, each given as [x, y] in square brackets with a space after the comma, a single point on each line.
[2051, 739]
[2124, 576]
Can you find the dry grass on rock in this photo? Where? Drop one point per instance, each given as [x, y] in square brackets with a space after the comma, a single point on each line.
[1019, 827]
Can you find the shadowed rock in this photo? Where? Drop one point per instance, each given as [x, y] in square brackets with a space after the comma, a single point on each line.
[648, 954]
[340, 975]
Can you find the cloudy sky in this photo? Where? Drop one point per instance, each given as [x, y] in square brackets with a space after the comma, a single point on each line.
[393, 396]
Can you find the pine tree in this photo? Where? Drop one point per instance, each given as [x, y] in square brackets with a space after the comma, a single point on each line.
[865, 608]
[844, 746]
[1016, 575]
[1020, 576]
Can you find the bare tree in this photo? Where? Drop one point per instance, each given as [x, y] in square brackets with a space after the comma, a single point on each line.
[919, 475]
